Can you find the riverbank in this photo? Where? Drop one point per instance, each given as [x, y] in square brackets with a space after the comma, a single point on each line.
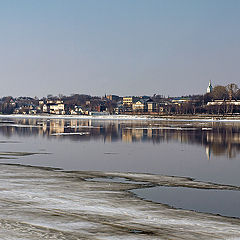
[200, 118]
[45, 203]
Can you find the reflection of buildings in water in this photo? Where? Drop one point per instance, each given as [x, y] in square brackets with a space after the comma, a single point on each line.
[56, 126]
[224, 143]
[208, 152]
[62, 125]
[108, 138]
[221, 140]
[42, 129]
[229, 150]
[137, 134]
[84, 123]
[117, 127]
[179, 136]
[149, 133]
[127, 135]
[232, 151]
[74, 124]
[89, 122]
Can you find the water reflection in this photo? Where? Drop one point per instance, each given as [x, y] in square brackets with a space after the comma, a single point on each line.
[219, 139]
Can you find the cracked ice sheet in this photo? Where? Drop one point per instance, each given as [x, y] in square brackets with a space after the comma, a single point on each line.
[43, 203]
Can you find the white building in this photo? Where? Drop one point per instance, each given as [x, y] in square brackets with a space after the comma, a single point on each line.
[57, 108]
[209, 88]
[224, 102]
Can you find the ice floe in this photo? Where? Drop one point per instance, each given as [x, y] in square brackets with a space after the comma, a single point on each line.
[127, 117]
[73, 133]
[43, 203]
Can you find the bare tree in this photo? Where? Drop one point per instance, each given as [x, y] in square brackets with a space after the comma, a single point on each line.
[238, 94]
[220, 93]
[232, 89]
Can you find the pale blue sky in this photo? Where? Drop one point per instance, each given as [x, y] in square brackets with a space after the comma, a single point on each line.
[124, 47]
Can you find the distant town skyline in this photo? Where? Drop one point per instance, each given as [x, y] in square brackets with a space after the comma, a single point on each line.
[122, 47]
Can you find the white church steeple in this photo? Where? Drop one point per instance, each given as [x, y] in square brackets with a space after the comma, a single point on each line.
[209, 88]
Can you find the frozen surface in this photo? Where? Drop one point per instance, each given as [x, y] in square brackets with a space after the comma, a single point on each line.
[43, 203]
[100, 117]
[199, 118]
[64, 134]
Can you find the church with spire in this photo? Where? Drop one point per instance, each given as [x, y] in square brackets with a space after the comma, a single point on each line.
[209, 88]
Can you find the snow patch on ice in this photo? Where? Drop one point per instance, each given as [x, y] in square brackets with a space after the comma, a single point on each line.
[66, 134]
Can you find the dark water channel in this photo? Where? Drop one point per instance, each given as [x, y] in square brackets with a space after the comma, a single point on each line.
[206, 151]
[223, 202]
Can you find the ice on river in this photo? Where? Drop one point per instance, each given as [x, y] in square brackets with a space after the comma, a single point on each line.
[44, 203]
[193, 118]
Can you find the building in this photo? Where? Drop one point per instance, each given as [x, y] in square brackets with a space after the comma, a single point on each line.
[162, 107]
[46, 108]
[76, 111]
[209, 88]
[57, 108]
[127, 104]
[224, 102]
[119, 109]
[139, 106]
[26, 109]
[113, 97]
[181, 100]
[40, 103]
[151, 106]
[52, 106]
[127, 101]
